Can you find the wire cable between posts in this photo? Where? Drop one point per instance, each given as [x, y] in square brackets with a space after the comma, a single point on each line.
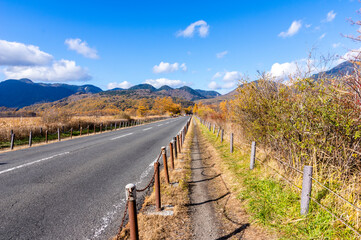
[321, 184]
[287, 180]
[315, 201]
[353, 205]
[335, 216]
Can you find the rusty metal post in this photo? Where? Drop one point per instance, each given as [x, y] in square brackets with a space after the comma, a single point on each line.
[158, 203]
[164, 153]
[171, 154]
[175, 147]
[71, 132]
[178, 143]
[181, 138]
[46, 136]
[59, 139]
[12, 141]
[130, 194]
[30, 138]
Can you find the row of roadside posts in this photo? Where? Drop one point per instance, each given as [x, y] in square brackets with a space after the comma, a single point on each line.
[307, 170]
[59, 131]
[175, 148]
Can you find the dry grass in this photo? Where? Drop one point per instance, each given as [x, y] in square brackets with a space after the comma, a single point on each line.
[23, 125]
[350, 189]
[177, 226]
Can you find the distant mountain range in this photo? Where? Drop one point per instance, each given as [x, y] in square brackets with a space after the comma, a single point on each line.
[147, 90]
[24, 92]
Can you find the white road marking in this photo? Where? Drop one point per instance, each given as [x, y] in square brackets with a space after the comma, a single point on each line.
[147, 128]
[31, 163]
[109, 216]
[160, 125]
[122, 136]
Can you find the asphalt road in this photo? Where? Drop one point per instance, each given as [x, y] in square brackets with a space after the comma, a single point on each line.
[74, 189]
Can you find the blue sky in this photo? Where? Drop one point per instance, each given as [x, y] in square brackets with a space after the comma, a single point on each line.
[203, 44]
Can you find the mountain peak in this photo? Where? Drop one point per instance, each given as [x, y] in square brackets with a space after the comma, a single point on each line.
[144, 86]
[165, 87]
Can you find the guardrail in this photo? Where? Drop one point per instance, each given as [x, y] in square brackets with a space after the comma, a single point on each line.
[40, 135]
[307, 179]
[175, 147]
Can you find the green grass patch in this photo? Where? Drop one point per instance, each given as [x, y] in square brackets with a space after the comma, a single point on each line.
[274, 203]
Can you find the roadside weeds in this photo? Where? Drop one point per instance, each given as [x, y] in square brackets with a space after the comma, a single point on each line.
[270, 201]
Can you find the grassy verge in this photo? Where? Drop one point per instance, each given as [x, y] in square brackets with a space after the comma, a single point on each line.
[178, 225]
[271, 201]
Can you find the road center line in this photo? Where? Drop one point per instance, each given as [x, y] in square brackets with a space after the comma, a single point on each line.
[147, 128]
[31, 163]
[160, 125]
[122, 136]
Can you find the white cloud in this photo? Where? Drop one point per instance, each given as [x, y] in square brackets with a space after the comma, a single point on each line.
[199, 26]
[214, 86]
[19, 54]
[350, 55]
[283, 70]
[292, 30]
[59, 71]
[124, 84]
[229, 79]
[81, 47]
[183, 67]
[164, 81]
[217, 75]
[308, 25]
[336, 45]
[222, 54]
[330, 16]
[232, 76]
[229, 85]
[165, 67]
[322, 36]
